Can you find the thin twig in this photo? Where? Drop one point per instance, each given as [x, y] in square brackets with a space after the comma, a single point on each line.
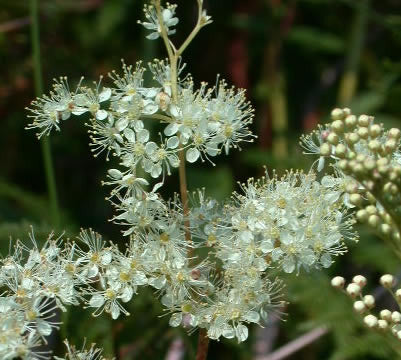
[14, 24]
[297, 344]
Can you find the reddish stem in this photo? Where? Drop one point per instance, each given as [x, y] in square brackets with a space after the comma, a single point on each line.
[203, 345]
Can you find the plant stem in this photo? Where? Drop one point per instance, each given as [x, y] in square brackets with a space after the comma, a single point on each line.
[203, 345]
[349, 80]
[45, 143]
[203, 340]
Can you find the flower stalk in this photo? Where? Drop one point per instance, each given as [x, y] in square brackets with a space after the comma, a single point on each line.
[45, 143]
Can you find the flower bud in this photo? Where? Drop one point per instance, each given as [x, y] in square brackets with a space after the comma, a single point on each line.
[385, 229]
[352, 138]
[325, 149]
[341, 150]
[338, 282]
[374, 221]
[346, 112]
[363, 120]
[362, 215]
[382, 161]
[333, 138]
[382, 324]
[375, 130]
[398, 294]
[369, 301]
[394, 133]
[370, 321]
[369, 164]
[353, 290]
[355, 199]
[374, 145]
[387, 281]
[385, 314]
[395, 317]
[350, 121]
[343, 165]
[363, 132]
[371, 209]
[337, 126]
[359, 280]
[359, 307]
[390, 145]
[337, 114]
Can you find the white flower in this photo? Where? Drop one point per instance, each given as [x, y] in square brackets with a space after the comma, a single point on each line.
[153, 22]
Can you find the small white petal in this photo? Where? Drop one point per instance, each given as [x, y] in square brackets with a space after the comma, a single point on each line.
[101, 114]
[175, 320]
[129, 135]
[192, 155]
[96, 300]
[241, 332]
[171, 129]
[105, 94]
[115, 174]
[173, 142]
[122, 123]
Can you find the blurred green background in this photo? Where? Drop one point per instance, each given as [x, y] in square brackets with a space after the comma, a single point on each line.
[297, 59]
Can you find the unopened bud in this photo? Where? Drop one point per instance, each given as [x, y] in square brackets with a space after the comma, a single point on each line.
[350, 121]
[369, 301]
[333, 138]
[371, 209]
[394, 133]
[382, 324]
[353, 290]
[398, 294]
[387, 281]
[396, 317]
[363, 132]
[373, 221]
[359, 307]
[341, 150]
[369, 164]
[325, 149]
[337, 126]
[385, 314]
[374, 145]
[375, 130]
[359, 280]
[337, 114]
[370, 321]
[338, 282]
[352, 138]
[363, 120]
[362, 215]
[390, 145]
[355, 199]
[385, 229]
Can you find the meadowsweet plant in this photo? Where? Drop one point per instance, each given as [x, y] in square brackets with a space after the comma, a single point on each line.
[295, 222]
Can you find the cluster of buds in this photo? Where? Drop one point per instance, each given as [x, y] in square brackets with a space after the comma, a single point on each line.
[386, 320]
[367, 159]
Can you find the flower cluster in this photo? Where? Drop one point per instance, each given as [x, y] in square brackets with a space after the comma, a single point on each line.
[291, 223]
[364, 304]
